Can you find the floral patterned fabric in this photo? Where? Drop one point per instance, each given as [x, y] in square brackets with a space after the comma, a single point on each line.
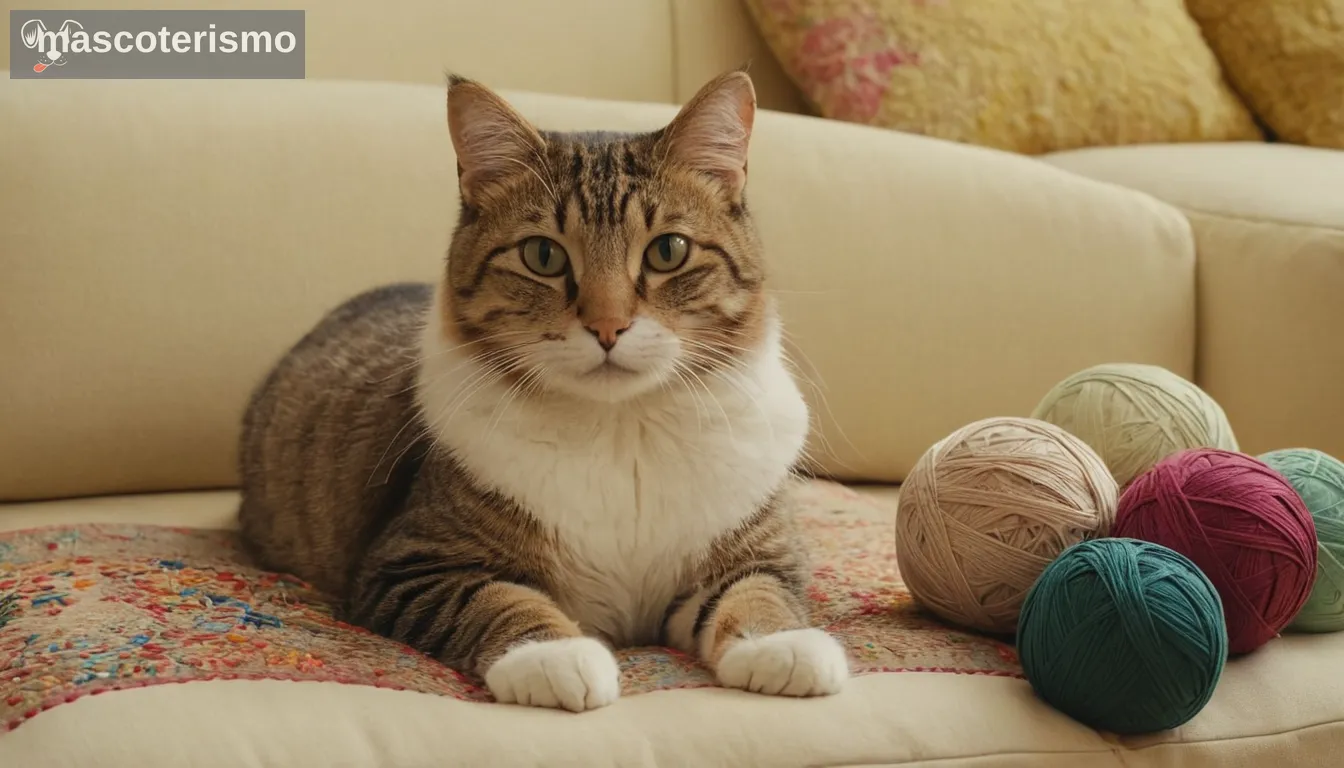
[92, 608]
[1033, 76]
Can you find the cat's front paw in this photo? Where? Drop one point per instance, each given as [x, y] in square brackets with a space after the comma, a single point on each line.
[576, 673]
[799, 662]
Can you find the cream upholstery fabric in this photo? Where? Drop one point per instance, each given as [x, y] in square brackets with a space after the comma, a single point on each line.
[638, 50]
[166, 241]
[1269, 227]
[197, 509]
[948, 721]
[1278, 701]
[713, 36]
[1276, 183]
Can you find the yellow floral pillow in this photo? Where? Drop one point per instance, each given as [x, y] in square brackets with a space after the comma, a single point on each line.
[1286, 58]
[1028, 76]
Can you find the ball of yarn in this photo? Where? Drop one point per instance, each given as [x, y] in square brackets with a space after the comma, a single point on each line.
[1124, 636]
[1319, 479]
[986, 508]
[1241, 523]
[1135, 415]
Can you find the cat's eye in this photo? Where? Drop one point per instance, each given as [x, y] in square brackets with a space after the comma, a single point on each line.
[544, 257]
[667, 253]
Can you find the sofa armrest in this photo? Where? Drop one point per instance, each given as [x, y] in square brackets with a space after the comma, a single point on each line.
[1269, 228]
[162, 243]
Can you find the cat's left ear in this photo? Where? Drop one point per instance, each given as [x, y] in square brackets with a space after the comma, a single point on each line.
[713, 129]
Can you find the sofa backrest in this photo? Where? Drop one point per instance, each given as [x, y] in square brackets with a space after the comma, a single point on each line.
[163, 242]
[636, 50]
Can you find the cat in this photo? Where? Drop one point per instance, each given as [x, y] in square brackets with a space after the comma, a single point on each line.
[583, 437]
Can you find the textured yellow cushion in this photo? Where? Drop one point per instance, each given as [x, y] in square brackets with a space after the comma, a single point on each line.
[1030, 76]
[1286, 58]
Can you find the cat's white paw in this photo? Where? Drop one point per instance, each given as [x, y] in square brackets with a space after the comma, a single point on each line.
[799, 662]
[576, 673]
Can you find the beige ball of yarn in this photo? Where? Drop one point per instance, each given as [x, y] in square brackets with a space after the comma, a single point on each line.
[1135, 415]
[987, 508]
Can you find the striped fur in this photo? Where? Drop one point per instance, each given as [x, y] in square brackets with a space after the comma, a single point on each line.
[477, 476]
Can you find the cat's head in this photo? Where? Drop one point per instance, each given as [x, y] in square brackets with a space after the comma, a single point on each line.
[605, 265]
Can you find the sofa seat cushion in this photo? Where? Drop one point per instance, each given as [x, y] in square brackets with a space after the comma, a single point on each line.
[119, 609]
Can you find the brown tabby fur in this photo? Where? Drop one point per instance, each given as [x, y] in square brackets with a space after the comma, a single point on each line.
[343, 486]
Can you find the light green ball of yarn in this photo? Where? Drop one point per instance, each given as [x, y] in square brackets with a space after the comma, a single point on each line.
[1319, 479]
[1135, 415]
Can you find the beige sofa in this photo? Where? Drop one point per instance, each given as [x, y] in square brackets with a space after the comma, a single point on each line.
[162, 242]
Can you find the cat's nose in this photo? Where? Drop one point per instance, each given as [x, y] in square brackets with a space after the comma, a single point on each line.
[607, 329]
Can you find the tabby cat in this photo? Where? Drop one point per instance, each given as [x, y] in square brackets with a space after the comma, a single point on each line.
[581, 438]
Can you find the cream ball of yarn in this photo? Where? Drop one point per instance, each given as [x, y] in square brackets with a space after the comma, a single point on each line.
[987, 508]
[1135, 415]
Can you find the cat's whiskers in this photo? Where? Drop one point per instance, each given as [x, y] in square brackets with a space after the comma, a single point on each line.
[532, 373]
[716, 355]
[696, 402]
[492, 365]
[816, 384]
[369, 483]
[419, 358]
[727, 420]
[821, 390]
[535, 387]
[429, 429]
[497, 353]
[411, 443]
[731, 373]
[476, 382]
[722, 344]
[491, 357]
[716, 363]
[486, 357]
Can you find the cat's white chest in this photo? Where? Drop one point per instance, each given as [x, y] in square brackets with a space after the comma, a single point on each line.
[635, 492]
[632, 504]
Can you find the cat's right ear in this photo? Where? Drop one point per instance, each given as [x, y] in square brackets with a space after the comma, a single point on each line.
[492, 141]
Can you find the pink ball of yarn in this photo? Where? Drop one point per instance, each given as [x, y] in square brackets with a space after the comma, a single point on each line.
[1241, 523]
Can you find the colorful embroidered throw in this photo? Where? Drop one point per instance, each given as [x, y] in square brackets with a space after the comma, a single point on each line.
[92, 608]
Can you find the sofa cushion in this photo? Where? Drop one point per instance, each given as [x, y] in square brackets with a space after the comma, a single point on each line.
[1030, 76]
[1286, 59]
[1268, 221]
[1276, 183]
[322, 702]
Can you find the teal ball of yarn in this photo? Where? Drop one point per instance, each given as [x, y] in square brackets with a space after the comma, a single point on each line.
[1319, 479]
[1123, 635]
